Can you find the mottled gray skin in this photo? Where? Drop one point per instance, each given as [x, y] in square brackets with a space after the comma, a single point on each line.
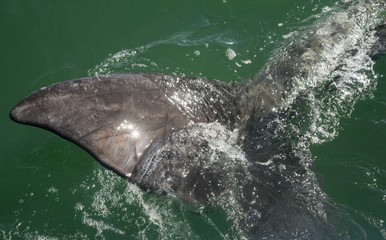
[95, 113]
[129, 123]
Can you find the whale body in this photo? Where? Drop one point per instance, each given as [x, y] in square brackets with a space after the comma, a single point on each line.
[203, 140]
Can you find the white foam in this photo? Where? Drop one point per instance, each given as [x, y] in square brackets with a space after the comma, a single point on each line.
[349, 76]
[230, 53]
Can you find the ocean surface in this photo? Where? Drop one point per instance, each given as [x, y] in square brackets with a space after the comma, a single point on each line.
[52, 189]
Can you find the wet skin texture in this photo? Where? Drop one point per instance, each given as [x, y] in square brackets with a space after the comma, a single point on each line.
[134, 124]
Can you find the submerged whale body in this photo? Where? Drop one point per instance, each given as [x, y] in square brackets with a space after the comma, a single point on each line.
[209, 142]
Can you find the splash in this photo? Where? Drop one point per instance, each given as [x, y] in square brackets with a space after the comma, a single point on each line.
[124, 61]
[115, 207]
[333, 79]
[341, 75]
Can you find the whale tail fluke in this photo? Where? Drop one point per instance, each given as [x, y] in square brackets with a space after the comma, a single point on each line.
[124, 119]
[119, 119]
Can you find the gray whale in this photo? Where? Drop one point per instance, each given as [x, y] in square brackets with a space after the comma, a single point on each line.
[157, 130]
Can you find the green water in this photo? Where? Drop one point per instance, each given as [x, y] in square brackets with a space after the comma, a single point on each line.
[51, 189]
